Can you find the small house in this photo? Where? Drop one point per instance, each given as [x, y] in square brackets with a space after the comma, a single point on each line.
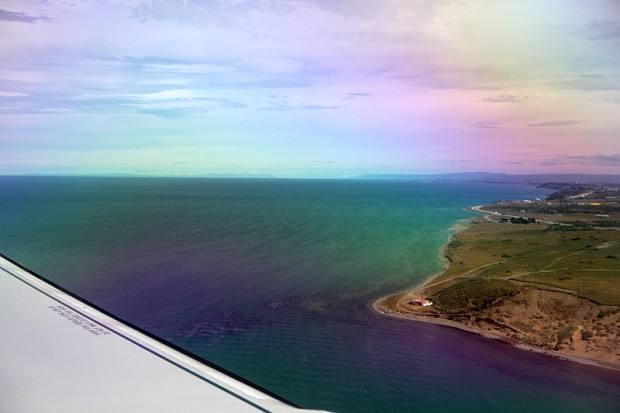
[422, 302]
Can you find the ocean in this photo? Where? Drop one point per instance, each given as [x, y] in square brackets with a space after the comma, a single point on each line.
[273, 279]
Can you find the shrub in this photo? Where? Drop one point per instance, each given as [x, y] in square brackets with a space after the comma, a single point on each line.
[566, 332]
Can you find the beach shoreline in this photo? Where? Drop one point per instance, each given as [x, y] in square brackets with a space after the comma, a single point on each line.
[491, 335]
[380, 306]
[458, 226]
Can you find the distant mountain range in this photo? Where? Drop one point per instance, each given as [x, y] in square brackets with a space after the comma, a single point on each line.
[498, 177]
[138, 175]
[463, 177]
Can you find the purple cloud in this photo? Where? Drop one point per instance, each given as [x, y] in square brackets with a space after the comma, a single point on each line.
[486, 125]
[557, 123]
[454, 77]
[12, 16]
[600, 160]
[502, 99]
[356, 96]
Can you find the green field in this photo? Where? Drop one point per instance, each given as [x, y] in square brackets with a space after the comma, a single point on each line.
[585, 262]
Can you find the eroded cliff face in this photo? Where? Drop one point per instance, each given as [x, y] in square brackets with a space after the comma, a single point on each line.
[549, 320]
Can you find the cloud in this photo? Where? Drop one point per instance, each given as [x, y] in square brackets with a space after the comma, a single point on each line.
[277, 108]
[287, 108]
[446, 77]
[186, 68]
[218, 13]
[502, 99]
[615, 99]
[598, 160]
[227, 71]
[557, 123]
[486, 125]
[448, 80]
[12, 16]
[589, 81]
[5, 94]
[596, 30]
[356, 96]
[601, 79]
[320, 107]
[177, 107]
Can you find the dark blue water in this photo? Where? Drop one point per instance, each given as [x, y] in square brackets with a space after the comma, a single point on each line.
[272, 279]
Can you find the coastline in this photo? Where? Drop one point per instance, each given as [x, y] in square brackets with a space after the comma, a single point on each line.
[493, 336]
[459, 226]
[381, 307]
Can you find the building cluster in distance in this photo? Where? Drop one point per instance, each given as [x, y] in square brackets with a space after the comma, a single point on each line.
[566, 192]
[576, 205]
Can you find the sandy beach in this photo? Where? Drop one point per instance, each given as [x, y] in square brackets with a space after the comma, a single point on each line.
[490, 335]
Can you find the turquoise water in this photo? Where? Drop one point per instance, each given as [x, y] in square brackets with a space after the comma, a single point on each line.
[272, 279]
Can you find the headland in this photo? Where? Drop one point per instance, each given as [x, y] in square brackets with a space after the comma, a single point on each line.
[542, 275]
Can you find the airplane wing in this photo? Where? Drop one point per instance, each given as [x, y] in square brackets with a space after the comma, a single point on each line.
[59, 353]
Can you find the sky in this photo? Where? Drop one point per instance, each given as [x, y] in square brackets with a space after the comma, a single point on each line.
[309, 88]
